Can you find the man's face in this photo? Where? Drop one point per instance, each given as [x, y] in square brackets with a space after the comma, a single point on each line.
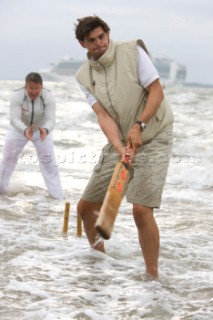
[33, 89]
[96, 42]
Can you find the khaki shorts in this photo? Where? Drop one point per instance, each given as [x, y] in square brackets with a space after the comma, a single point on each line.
[147, 175]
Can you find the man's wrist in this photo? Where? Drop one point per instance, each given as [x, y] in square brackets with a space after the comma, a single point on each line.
[118, 147]
[141, 124]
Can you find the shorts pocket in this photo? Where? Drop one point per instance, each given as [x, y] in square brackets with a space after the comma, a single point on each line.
[103, 155]
[160, 112]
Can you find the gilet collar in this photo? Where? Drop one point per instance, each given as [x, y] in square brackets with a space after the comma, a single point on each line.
[106, 59]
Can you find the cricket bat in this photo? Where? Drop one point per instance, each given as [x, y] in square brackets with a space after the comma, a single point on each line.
[112, 200]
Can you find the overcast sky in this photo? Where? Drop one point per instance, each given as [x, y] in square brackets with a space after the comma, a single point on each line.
[35, 33]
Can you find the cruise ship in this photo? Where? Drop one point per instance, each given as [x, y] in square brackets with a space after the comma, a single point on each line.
[171, 73]
[63, 70]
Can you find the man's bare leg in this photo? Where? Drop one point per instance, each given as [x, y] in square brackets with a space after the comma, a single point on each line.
[148, 235]
[88, 212]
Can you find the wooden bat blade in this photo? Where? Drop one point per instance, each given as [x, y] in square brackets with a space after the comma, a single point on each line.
[112, 200]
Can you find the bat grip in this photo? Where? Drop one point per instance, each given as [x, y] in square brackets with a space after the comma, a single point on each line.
[126, 162]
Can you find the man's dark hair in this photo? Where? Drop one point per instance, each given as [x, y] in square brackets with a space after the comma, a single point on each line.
[34, 77]
[87, 24]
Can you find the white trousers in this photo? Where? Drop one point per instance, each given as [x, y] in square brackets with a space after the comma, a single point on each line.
[14, 144]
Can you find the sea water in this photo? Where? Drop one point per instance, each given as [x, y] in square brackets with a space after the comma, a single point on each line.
[45, 275]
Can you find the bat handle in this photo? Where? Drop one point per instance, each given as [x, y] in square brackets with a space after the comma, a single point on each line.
[126, 162]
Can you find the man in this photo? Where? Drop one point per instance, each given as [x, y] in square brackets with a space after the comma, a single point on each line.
[32, 117]
[123, 88]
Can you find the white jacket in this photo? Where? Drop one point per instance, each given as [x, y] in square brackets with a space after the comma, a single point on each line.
[38, 113]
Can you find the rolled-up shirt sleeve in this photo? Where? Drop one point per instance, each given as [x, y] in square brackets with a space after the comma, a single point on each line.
[147, 73]
[90, 98]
